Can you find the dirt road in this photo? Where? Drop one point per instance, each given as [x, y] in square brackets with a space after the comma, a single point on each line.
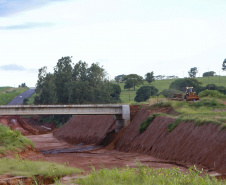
[98, 158]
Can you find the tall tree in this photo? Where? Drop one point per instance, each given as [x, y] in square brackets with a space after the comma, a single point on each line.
[95, 74]
[192, 73]
[45, 88]
[149, 77]
[135, 79]
[63, 78]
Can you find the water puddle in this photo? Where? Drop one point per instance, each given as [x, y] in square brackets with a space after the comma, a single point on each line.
[77, 149]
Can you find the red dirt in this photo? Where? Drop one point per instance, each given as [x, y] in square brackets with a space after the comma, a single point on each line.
[186, 145]
[88, 129]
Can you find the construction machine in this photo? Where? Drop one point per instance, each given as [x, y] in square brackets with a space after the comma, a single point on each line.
[189, 95]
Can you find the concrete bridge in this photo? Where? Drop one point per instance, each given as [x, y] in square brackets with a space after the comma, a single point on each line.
[121, 112]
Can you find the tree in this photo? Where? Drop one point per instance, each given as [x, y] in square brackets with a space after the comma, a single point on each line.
[210, 73]
[119, 78]
[134, 79]
[211, 87]
[149, 77]
[128, 84]
[95, 74]
[181, 84]
[192, 73]
[45, 89]
[224, 65]
[145, 92]
[63, 77]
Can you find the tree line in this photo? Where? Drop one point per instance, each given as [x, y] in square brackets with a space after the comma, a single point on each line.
[75, 84]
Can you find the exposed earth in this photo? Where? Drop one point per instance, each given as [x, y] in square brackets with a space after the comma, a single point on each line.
[87, 141]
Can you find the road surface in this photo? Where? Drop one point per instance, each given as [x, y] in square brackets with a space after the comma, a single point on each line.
[20, 98]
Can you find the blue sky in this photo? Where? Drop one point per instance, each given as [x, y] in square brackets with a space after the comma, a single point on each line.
[125, 36]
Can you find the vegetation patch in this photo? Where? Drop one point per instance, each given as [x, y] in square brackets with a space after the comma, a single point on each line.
[9, 95]
[212, 93]
[26, 168]
[12, 140]
[145, 175]
[160, 105]
[144, 125]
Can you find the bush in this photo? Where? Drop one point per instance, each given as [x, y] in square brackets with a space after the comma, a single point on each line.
[207, 103]
[144, 125]
[168, 93]
[211, 93]
[145, 92]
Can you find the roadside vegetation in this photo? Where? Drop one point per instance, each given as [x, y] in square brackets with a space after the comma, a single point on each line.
[145, 175]
[7, 94]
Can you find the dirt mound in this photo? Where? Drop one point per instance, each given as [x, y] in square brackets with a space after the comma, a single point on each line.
[204, 145]
[27, 126]
[88, 129]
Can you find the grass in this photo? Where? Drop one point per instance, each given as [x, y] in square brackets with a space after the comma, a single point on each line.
[144, 176]
[205, 111]
[8, 96]
[12, 140]
[26, 168]
[3, 89]
[31, 99]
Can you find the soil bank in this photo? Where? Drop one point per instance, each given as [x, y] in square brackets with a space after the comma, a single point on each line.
[187, 144]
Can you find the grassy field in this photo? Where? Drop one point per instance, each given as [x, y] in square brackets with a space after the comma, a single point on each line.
[6, 97]
[2, 89]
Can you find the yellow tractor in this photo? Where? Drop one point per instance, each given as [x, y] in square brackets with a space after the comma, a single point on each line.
[189, 95]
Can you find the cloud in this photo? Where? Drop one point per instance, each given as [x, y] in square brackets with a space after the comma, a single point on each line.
[28, 25]
[8, 7]
[12, 67]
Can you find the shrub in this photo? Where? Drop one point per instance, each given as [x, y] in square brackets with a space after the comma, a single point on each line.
[145, 92]
[168, 93]
[211, 93]
[144, 125]
[206, 103]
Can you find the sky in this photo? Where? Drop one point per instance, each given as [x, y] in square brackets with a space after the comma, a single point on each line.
[123, 36]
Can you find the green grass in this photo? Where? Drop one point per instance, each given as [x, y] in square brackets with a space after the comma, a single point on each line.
[31, 99]
[205, 111]
[18, 167]
[217, 80]
[8, 96]
[147, 176]
[2, 89]
[12, 140]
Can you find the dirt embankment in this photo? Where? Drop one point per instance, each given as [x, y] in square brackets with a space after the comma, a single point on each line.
[186, 144]
[86, 129]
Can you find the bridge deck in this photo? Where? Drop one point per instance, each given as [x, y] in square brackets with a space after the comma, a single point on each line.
[100, 109]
